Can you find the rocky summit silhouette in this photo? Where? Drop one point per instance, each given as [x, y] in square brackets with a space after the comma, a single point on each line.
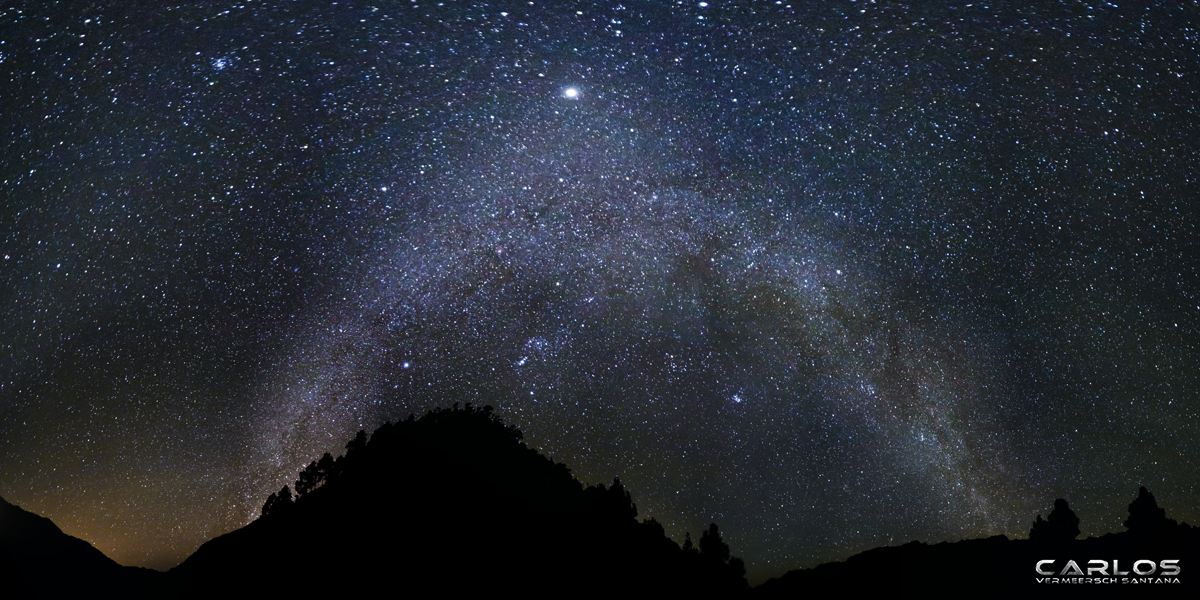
[454, 503]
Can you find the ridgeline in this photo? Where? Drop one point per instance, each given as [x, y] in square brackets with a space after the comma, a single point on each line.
[453, 503]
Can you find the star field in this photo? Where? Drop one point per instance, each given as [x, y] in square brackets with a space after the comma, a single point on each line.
[831, 275]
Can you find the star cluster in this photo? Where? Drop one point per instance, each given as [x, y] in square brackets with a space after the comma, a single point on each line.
[832, 275]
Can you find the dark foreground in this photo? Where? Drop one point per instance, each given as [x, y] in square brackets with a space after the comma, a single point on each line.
[454, 503]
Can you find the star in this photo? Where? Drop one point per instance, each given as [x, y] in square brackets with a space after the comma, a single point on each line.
[874, 266]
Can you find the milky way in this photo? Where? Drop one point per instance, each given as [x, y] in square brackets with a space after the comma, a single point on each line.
[832, 275]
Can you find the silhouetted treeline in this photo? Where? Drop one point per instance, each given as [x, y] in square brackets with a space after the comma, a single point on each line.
[1155, 556]
[453, 502]
[1061, 525]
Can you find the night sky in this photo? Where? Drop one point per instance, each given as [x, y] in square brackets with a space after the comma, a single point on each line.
[832, 275]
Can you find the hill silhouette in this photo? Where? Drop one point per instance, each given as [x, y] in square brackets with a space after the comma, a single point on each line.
[454, 503]
[1156, 556]
[36, 557]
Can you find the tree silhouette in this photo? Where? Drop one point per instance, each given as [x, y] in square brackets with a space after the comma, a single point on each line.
[277, 503]
[1145, 516]
[285, 496]
[1040, 530]
[269, 505]
[438, 467]
[1062, 525]
[325, 469]
[712, 546]
[715, 555]
[358, 443]
[315, 475]
[615, 500]
[307, 481]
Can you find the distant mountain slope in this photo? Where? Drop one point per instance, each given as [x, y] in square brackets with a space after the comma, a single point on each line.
[36, 556]
[998, 566]
[454, 502]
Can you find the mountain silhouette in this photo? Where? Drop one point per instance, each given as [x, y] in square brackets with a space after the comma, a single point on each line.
[36, 557]
[454, 503]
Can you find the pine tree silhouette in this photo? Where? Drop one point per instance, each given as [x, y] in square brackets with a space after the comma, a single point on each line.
[714, 554]
[419, 492]
[712, 547]
[1062, 525]
[358, 443]
[1145, 517]
[277, 503]
[1040, 531]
